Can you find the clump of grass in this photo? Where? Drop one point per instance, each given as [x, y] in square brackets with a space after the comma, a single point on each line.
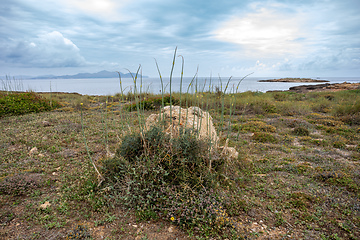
[254, 126]
[25, 102]
[153, 103]
[301, 131]
[264, 137]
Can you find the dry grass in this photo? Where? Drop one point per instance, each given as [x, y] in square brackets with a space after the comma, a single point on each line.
[287, 184]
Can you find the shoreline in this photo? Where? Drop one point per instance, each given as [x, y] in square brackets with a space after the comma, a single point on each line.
[295, 80]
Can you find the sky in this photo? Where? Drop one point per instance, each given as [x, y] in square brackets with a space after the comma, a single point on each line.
[269, 38]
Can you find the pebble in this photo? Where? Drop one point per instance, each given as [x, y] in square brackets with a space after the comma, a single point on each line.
[33, 151]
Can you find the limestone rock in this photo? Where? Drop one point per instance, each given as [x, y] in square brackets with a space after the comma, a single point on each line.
[193, 118]
[33, 151]
[46, 123]
[45, 205]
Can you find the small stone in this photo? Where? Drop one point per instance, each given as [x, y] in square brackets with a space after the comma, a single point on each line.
[41, 155]
[171, 229]
[45, 205]
[33, 151]
[135, 226]
[54, 173]
[46, 123]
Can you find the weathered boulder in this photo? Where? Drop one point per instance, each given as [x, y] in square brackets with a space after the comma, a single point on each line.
[180, 118]
[191, 118]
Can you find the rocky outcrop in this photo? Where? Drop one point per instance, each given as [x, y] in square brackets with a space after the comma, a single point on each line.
[294, 80]
[191, 118]
[325, 87]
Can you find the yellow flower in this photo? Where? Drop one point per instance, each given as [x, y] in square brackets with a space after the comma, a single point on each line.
[172, 218]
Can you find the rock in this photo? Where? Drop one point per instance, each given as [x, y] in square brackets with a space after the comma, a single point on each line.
[294, 80]
[325, 87]
[68, 153]
[171, 229]
[45, 205]
[46, 123]
[229, 152]
[33, 151]
[193, 118]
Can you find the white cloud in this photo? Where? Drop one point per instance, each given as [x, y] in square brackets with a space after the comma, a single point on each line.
[105, 9]
[348, 58]
[265, 32]
[47, 50]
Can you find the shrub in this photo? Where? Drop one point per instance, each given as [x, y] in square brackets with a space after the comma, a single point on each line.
[22, 103]
[168, 178]
[152, 103]
[185, 158]
[255, 126]
[131, 147]
[301, 131]
[262, 106]
[79, 232]
[264, 137]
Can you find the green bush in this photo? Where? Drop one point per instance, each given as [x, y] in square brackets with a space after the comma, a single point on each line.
[168, 178]
[152, 103]
[185, 158]
[301, 131]
[24, 102]
[131, 147]
[254, 126]
[264, 137]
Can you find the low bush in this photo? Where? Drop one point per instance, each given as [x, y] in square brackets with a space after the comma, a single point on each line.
[24, 102]
[152, 103]
[301, 131]
[264, 137]
[169, 178]
[254, 126]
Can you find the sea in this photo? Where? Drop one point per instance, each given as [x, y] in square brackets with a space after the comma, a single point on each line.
[111, 86]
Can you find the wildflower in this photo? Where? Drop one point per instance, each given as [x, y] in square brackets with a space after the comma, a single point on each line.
[172, 218]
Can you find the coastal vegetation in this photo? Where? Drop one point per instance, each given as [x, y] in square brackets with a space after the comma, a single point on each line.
[297, 173]
[90, 167]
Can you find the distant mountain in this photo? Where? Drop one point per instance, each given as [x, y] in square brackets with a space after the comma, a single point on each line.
[16, 77]
[102, 74]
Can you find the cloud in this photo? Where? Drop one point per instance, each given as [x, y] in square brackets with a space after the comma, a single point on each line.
[47, 50]
[109, 10]
[348, 58]
[265, 32]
